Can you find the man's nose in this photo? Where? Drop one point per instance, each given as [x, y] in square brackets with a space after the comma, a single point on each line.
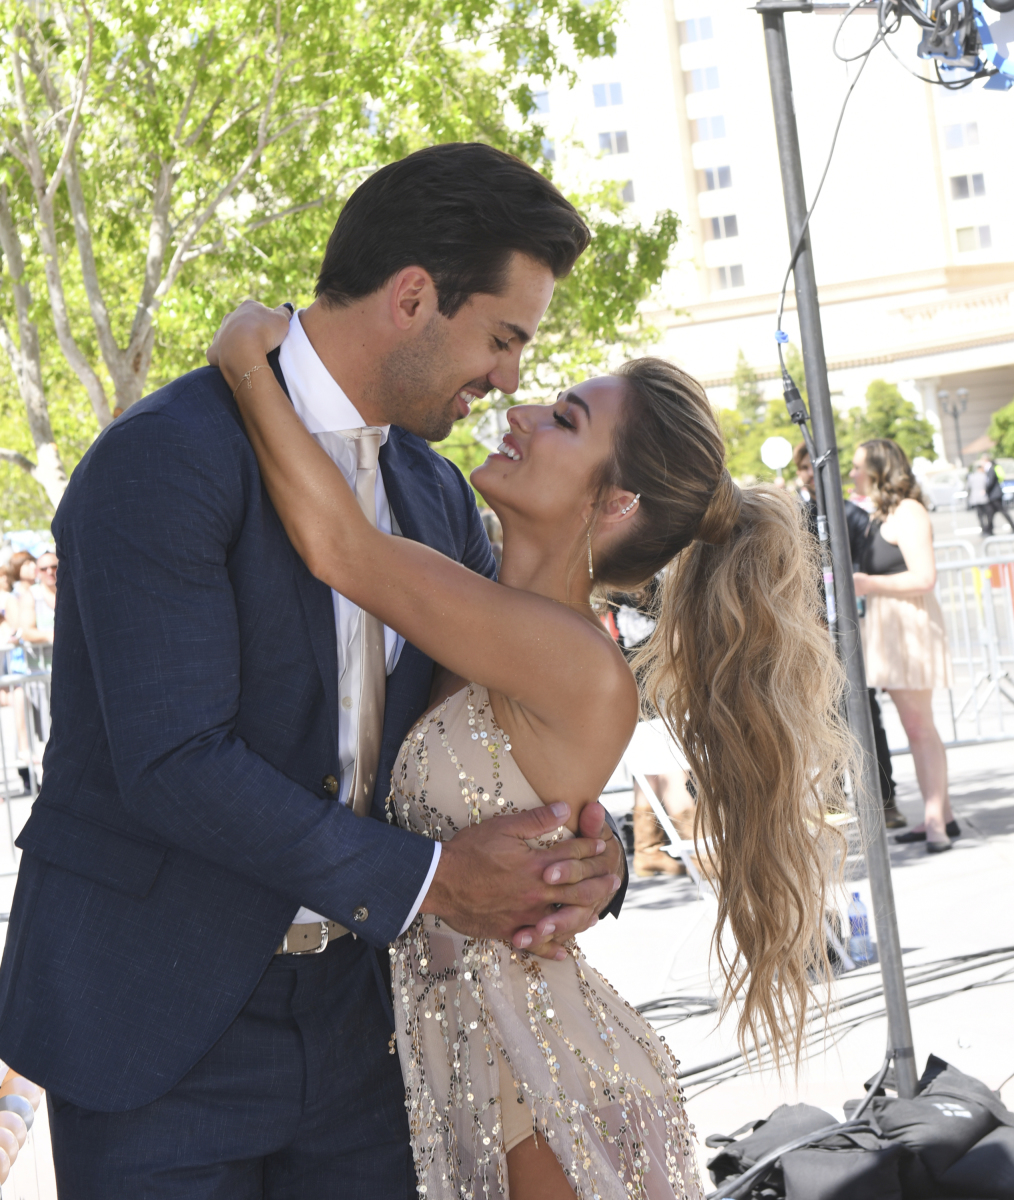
[507, 374]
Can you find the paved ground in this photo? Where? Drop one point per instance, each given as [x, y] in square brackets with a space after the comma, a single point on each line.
[955, 904]
[952, 904]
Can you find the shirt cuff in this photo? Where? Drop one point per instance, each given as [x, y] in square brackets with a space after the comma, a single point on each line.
[423, 890]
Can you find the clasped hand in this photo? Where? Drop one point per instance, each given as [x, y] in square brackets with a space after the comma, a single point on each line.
[491, 883]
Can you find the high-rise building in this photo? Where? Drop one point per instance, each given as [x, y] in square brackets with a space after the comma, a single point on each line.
[913, 237]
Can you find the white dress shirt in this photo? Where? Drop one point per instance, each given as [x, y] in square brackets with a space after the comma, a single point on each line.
[323, 407]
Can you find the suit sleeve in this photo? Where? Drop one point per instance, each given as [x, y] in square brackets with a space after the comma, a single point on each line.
[148, 546]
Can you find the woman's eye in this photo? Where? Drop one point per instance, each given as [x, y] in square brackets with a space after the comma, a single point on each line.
[502, 345]
[560, 419]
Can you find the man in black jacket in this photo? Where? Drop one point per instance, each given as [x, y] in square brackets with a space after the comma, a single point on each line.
[858, 521]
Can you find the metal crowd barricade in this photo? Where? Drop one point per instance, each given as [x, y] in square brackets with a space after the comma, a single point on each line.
[976, 594]
[24, 731]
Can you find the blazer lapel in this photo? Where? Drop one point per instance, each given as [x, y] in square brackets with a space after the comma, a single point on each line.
[318, 607]
[415, 491]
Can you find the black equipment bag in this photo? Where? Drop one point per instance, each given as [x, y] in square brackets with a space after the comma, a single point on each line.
[987, 1170]
[788, 1121]
[845, 1168]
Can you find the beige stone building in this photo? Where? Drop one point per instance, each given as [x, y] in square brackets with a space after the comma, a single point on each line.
[913, 238]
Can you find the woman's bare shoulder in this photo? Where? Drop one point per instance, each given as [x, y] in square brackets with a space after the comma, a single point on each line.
[911, 514]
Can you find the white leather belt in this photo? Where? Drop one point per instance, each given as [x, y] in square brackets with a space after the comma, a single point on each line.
[311, 938]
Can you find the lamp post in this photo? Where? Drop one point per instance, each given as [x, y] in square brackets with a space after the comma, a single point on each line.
[954, 408]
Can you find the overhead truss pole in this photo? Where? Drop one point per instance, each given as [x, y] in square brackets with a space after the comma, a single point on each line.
[867, 786]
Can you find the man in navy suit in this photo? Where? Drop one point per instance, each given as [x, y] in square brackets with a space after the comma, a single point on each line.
[179, 971]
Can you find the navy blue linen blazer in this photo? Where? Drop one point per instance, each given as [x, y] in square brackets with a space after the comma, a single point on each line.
[183, 818]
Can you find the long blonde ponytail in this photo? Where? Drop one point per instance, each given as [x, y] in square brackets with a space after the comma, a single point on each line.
[743, 673]
[741, 669]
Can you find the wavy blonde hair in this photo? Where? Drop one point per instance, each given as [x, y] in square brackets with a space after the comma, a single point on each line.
[890, 474]
[741, 669]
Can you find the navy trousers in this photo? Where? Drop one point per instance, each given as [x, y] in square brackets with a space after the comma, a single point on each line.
[299, 1099]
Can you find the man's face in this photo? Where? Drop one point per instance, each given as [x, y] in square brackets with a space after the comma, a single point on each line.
[804, 473]
[430, 380]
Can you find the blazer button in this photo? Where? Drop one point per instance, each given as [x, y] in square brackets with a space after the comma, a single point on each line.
[361, 913]
[330, 785]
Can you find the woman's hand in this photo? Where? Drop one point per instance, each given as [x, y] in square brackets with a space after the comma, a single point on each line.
[863, 583]
[246, 337]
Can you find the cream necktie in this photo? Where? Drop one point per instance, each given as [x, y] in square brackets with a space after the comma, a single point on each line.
[372, 659]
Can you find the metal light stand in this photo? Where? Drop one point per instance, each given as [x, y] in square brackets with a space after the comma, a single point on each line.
[954, 410]
[825, 463]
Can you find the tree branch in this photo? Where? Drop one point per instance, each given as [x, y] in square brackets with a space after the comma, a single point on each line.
[185, 244]
[50, 250]
[10, 349]
[74, 125]
[18, 459]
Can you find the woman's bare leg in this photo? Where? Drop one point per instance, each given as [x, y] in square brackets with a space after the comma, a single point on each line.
[535, 1173]
[915, 708]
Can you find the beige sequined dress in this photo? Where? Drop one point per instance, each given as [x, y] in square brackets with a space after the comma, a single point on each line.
[497, 1045]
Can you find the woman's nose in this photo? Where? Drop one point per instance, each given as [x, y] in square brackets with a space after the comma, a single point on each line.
[519, 416]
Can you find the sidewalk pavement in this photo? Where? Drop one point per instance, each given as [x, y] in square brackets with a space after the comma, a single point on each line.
[951, 904]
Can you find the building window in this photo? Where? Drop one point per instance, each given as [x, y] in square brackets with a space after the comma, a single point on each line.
[717, 177]
[541, 101]
[956, 136]
[606, 94]
[963, 186]
[702, 79]
[628, 192]
[548, 150]
[727, 277]
[614, 143]
[708, 129]
[974, 237]
[696, 30]
[724, 227]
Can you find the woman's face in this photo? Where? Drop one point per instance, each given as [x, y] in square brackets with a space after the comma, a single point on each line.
[549, 460]
[27, 572]
[858, 473]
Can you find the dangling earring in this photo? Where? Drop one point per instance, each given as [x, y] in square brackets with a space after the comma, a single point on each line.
[591, 569]
[624, 511]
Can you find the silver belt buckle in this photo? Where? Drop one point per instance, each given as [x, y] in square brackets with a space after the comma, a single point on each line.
[315, 950]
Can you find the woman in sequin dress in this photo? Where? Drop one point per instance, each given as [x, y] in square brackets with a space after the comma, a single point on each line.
[530, 1076]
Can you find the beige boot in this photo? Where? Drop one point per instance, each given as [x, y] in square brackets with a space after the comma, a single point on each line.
[649, 838]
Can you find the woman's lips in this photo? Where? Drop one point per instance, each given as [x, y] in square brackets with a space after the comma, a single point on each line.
[510, 449]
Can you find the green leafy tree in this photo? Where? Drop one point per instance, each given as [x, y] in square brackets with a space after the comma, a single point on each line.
[747, 427]
[1001, 430]
[749, 397]
[889, 415]
[160, 162]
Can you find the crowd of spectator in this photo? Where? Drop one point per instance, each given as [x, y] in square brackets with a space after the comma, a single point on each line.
[27, 610]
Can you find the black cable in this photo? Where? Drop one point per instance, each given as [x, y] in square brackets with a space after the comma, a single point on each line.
[835, 1034]
[916, 975]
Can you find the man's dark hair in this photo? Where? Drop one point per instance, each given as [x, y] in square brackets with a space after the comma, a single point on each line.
[459, 211]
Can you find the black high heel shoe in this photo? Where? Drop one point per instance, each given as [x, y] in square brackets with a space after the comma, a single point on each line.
[953, 830]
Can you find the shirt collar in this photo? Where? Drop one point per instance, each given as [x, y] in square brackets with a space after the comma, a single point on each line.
[319, 402]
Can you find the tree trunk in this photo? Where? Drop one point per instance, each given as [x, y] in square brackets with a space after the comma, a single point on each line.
[26, 363]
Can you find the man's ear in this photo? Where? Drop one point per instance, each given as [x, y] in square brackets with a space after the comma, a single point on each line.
[413, 298]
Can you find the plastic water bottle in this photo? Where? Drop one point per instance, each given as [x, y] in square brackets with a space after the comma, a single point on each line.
[860, 946]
